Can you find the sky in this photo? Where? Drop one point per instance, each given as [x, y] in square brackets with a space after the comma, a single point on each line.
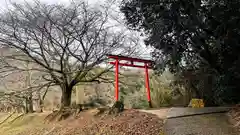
[145, 50]
[3, 2]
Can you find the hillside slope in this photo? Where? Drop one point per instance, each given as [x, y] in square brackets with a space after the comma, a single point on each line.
[131, 122]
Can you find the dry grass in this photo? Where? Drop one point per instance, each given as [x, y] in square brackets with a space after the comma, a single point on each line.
[18, 123]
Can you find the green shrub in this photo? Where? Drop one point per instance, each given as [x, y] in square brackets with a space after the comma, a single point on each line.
[141, 104]
[161, 93]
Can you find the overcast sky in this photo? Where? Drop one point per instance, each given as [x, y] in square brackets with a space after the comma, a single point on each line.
[4, 3]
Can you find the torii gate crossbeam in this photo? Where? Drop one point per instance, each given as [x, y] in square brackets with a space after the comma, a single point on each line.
[117, 63]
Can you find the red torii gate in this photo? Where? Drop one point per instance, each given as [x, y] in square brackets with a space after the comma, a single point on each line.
[117, 63]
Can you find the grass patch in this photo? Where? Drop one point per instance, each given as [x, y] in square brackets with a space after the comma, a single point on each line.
[18, 123]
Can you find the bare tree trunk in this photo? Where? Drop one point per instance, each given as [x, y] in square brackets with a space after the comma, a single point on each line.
[26, 106]
[39, 102]
[41, 105]
[66, 96]
[30, 104]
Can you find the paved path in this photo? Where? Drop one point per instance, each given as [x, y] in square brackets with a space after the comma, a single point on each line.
[208, 124]
[180, 111]
[161, 113]
[195, 121]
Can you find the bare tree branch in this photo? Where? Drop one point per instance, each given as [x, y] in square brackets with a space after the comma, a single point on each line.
[66, 43]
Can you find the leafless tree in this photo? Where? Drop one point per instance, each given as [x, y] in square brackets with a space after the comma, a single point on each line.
[67, 43]
[19, 83]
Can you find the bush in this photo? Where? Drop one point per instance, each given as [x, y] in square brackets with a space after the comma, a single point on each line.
[141, 104]
[161, 89]
[161, 95]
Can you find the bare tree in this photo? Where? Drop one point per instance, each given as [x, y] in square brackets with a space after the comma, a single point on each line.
[19, 82]
[68, 43]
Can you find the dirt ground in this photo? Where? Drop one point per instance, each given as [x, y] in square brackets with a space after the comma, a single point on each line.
[130, 122]
[234, 115]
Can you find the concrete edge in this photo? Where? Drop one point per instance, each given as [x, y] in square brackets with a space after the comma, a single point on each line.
[203, 113]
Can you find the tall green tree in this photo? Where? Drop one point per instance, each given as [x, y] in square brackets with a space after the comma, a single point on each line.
[192, 35]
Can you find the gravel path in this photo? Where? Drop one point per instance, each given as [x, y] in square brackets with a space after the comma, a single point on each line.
[209, 124]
